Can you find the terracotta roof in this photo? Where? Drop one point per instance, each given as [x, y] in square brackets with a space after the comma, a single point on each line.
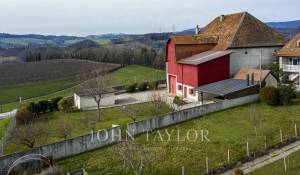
[291, 48]
[242, 30]
[234, 31]
[204, 57]
[258, 74]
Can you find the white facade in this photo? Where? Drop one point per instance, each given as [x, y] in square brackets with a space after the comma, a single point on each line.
[291, 65]
[84, 102]
[251, 58]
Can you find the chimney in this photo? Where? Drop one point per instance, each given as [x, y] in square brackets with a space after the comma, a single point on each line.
[222, 17]
[248, 79]
[197, 31]
[252, 79]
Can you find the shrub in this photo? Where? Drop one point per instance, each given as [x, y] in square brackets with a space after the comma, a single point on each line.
[178, 101]
[131, 88]
[66, 104]
[43, 105]
[153, 85]
[24, 115]
[142, 86]
[238, 172]
[55, 102]
[269, 95]
[286, 94]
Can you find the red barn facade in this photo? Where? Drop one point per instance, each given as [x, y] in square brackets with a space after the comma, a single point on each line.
[227, 44]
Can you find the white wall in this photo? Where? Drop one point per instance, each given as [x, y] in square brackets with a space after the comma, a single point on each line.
[240, 59]
[271, 81]
[89, 102]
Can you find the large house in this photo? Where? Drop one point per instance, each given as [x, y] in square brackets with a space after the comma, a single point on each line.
[289, 59]
[227, 44]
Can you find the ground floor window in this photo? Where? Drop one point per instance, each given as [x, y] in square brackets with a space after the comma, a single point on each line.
[192, 92]
[179, 87]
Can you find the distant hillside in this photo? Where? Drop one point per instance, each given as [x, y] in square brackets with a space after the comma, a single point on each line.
[287, 24]
[84, 44]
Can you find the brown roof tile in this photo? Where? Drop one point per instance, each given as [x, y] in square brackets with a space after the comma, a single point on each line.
[292, 48]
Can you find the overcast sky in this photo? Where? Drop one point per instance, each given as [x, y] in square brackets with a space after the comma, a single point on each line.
[85, 17]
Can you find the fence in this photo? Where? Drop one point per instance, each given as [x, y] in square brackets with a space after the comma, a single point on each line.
[186, 114]
[69, 147]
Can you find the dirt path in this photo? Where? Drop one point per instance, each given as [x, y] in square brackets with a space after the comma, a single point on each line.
[268, 159]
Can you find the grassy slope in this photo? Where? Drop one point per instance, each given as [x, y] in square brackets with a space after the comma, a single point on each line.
[78, 122]
[11, 94]
[125, 75]
[3, 124]
[277, 168]
[229, 129]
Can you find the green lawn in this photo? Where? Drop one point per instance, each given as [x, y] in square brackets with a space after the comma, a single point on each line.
[3, 124]
[44, 91]
[229, 129]
[78, 120]
[277, 168]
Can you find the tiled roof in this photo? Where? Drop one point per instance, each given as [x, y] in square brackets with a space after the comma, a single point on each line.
[204, 57]
[259, 75]
[291, 48]
[234, 31]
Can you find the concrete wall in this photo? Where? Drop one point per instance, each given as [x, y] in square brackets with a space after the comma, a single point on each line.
[88, 102]
[250, 57]
[187, 114]
[69, 147]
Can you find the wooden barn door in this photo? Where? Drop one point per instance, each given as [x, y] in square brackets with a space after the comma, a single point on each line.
[172, 84]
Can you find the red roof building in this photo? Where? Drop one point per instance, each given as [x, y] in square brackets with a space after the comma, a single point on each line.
[227, 44]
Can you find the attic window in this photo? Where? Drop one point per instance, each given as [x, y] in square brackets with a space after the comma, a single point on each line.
[298, 43]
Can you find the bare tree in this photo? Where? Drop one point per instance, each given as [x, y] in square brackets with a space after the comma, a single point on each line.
[157, 100]
[256, 118]
[90, 122]
[137, 159]
[28, 134]
[64, 128]
[133, 112]
[96, 88]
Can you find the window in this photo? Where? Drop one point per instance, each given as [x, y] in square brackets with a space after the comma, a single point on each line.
[179, 87]
[192, 92]
[298, 43]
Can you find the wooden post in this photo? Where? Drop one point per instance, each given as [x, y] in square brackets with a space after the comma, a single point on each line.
[20, 100]
[201, 98]
[281, 136]
[206, 162]
[182, 170]
[228, 156]
[296, 131]
[266, 146]
[248, 152]
[284, 164]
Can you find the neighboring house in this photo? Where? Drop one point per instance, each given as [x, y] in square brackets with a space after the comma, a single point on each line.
[84, 101]
[289, 60]
[263, 77]
[227, 44]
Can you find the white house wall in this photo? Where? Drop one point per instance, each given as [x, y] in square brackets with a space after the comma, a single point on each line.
[89, 102]
[250, 57]
[271, 81]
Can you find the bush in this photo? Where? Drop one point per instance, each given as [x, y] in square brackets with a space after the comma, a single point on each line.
[131, 88]
[142, 86]
[24, 115]
[269, 95]
[178, 101]
[238, 172]
[286, 94]
[66, 104]
[153, 85]
[55, 102]
[43, 105]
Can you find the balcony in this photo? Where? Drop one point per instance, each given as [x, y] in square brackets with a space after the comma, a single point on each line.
[291, 68]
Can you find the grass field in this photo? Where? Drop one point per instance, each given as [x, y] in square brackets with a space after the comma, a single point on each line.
[42, 91]
[277, 168]
[3, 124]
[78, 120]
[229, 129]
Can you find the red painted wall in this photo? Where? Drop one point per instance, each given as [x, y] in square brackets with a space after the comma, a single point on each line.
[197, 75]
[215, 70]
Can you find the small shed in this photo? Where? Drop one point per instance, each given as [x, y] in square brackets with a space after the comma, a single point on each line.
[83, 100]
[264, 76]
[228, 89]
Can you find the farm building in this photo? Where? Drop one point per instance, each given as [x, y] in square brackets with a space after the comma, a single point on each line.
[289, 60]
[85, 101]
[227, 44]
